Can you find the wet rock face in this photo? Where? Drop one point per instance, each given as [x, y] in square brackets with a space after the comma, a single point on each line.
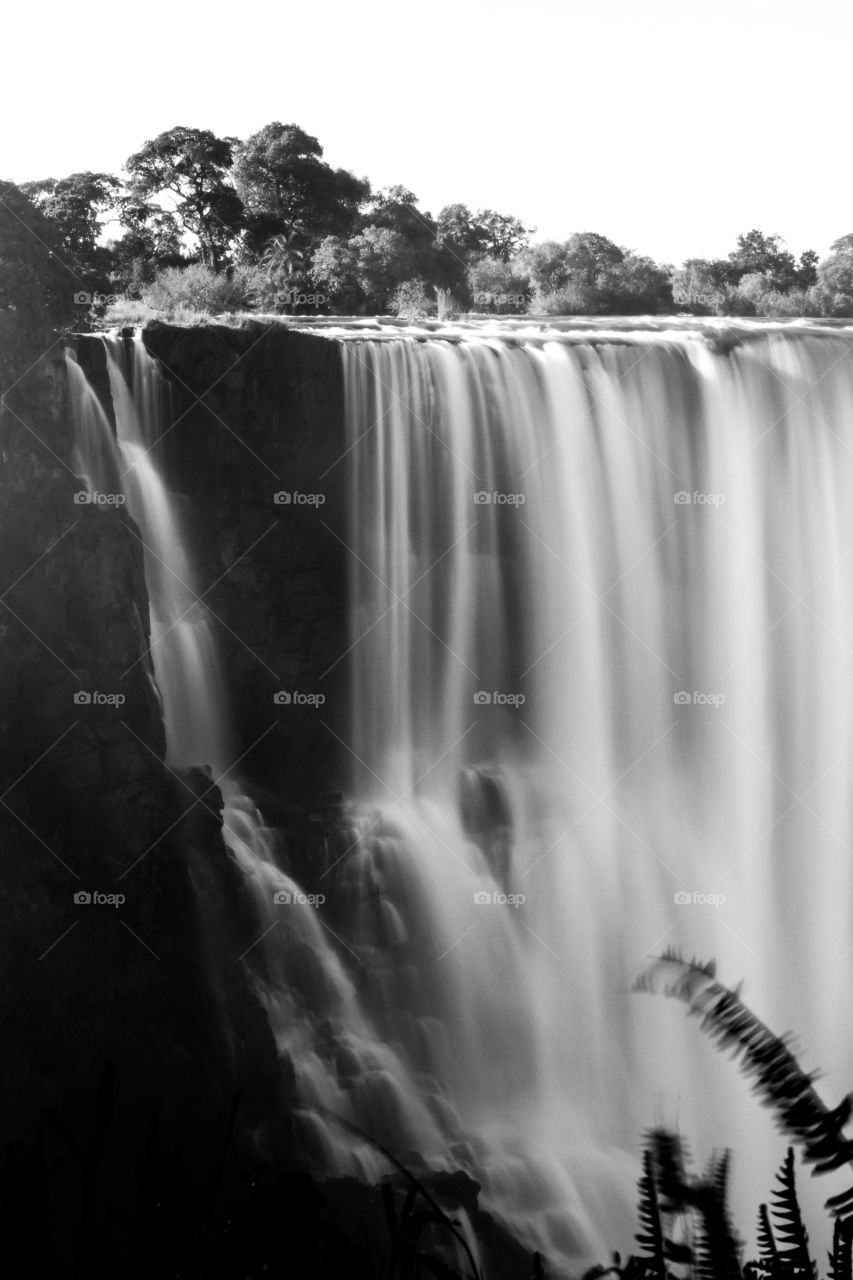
[103, 954]
[257, 449]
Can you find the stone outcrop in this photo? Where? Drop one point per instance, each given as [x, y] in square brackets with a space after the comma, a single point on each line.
[105, 956]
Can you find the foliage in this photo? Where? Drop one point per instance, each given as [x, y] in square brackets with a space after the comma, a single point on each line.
[38, 283]
[762, 254]
[75, 205]
[778, 1078]
[199, 288]
[192, 165]
[366, 271]
[272, 201]
[483, 234]
[835, 279]
[151, 241]
[413, 299]
[590, 275]
[288, 189]
[498, 286]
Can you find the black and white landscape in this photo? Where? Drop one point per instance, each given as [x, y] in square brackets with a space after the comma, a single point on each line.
[427, 666]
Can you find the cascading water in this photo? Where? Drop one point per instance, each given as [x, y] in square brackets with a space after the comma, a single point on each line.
[340, 1061]
[601, 626]
[601, 620]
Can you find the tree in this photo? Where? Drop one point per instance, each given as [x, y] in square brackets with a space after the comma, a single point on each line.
[703, 285]
[497, 286]
[75, 206]
[482, 234]
[585, 275]
[37, 283]
[151, 242]
[396, 209]
[835, 278]
[193, 166]
[374, 264]
[638, 285]
[807, 268]
[288, 189]
[333, 268]
[502, 235]
[457, 228]
[757, 252]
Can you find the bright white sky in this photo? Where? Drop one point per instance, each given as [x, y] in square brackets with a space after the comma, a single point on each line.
[668, 125]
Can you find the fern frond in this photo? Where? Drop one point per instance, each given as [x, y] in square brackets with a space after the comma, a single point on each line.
[650, 1238]
[767, 1250]
[778, 1078]
[790, 1228]
[718, 1247]
[841, 1258]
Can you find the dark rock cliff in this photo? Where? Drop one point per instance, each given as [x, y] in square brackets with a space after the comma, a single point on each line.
[257, 448]
[105, 956]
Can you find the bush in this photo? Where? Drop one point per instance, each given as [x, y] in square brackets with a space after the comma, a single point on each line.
[499, 288]
[413, 299]
[571, 300]
[200, 289]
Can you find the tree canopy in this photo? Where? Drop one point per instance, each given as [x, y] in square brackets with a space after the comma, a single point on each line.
[271, 207]
[193, 166]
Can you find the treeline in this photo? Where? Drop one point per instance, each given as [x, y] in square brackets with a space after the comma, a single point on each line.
[221, 224]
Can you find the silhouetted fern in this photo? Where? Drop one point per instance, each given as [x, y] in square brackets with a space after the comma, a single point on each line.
[791, 1233]
[717, 1248]
[650, 1238]
[768, 1252]
[779, 1080]
[841, 1258]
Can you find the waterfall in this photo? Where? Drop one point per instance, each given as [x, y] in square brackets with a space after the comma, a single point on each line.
[601, 610]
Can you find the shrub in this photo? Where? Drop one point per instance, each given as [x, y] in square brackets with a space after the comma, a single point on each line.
[413, 299]
[498, 287]
[199, 288]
